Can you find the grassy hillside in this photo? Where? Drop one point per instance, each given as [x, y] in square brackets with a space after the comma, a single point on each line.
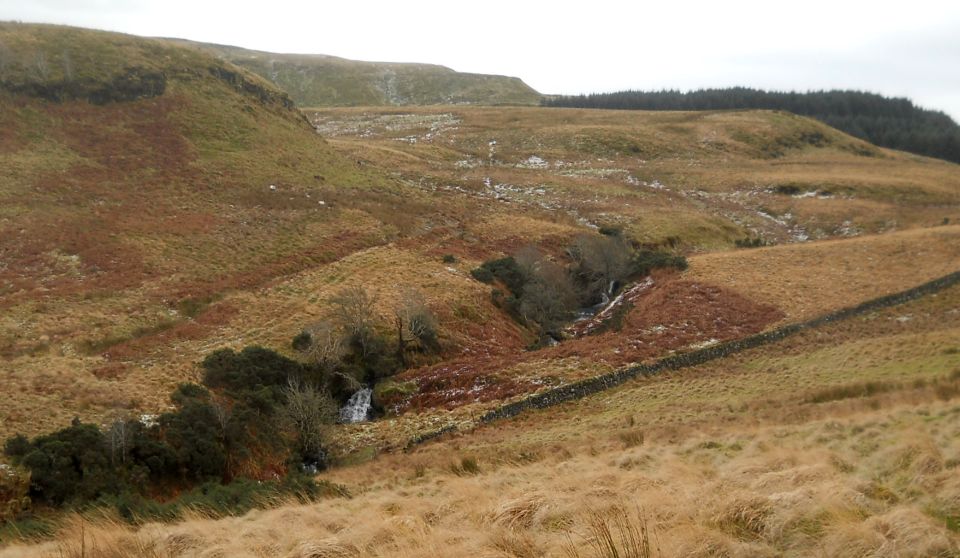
[158, 203]
[151, 266]
[316, 80]
[842, 442]
[708, 178]
[129, 211]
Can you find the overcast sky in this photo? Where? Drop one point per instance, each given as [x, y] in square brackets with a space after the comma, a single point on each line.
[898, 48]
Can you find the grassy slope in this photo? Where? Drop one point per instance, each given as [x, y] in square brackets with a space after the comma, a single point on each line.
[138, 236]
[320, 81]
[130, 218]
[106, 311]
[712, 300]
[783, 450]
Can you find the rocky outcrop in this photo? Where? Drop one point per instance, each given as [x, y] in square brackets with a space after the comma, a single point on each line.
[129, 85]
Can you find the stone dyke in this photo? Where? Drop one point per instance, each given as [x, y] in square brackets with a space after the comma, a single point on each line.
[590, 386]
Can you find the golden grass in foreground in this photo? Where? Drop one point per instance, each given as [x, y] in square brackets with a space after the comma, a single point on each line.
[877, 483]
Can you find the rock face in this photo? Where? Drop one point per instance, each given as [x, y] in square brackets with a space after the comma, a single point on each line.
[129, 85]
[316, 80]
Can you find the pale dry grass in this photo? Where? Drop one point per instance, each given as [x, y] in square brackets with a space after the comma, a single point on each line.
[804, 280]
[768, 491]
[61, 382]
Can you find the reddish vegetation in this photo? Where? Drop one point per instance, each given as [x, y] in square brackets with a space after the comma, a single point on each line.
[671, 315]
[488, 347]
[199, 328]
[110, 371]
[117, 142]
[450, 386]
[326, 251]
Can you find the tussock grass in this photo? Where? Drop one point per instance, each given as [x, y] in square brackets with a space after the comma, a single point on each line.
[467, 466]
[520, 512]
[617, 533]
[779, 495]
[325, 548]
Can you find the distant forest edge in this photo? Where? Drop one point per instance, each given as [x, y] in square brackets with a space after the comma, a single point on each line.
[888, 122]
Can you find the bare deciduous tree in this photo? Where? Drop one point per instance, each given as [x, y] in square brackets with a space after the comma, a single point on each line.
[310, 411]
[548, 296]
[603, 261]
[414, 322]
[326, 346]
[119, 439]
[355, 311]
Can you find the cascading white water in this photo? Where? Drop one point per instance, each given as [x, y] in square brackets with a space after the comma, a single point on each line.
[358, 407]
[590, 311]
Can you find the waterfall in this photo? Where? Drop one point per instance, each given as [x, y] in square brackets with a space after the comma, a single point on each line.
[590, 311]
[358, 407]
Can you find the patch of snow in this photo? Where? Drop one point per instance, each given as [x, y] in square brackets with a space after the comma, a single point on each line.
[766, 215]
[656, 185]
[813, 194]
[369, 125]
[847, 228]
[704, 344]
[533, 162]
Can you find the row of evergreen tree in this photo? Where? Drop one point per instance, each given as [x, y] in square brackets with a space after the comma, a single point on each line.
[888, 122]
